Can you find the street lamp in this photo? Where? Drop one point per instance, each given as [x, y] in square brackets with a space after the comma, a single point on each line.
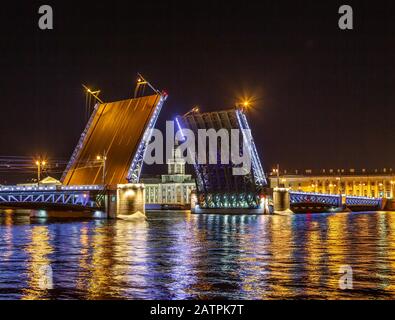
[103, 159]
[142, 82]
[244, 104]
[40, 165]
[277, 171]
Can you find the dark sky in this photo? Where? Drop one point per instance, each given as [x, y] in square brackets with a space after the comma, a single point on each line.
[324, 97]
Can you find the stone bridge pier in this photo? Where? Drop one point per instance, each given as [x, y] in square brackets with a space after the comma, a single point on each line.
[281, 200]
[125, 200]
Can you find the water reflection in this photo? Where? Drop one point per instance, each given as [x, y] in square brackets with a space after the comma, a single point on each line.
[38, 250]
[84, 258]
[388, 257]
[183, 256]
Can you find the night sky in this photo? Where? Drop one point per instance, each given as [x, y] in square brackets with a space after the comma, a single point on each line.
[324, 98]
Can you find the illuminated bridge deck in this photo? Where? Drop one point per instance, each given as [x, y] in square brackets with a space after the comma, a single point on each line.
[302, 201]
[120, 130]
[69, 197]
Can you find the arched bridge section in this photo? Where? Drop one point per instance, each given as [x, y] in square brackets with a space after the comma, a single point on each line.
[119, 132]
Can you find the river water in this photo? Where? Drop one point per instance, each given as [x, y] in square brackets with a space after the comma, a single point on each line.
[178, 255]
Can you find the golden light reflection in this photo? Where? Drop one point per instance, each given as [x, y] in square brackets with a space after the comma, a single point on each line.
[314, 258]
[130, 258]
[382, 257]
[100, 280]
[252, 261]
[281, 252]
[6, 215]
[390, 236]
[364, 271]
[337, 245]
[203, 245]
[184, 265]
[84, 261]
[38, 250]
[209, 256]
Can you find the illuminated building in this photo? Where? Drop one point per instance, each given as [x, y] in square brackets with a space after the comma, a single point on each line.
[46, 182]
[173, 188]
[367, 183]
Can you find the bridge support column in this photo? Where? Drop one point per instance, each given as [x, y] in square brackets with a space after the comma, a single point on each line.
[111, 203]
[281, 200]
[130, 199]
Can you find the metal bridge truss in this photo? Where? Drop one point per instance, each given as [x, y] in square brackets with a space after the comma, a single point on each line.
[80, 196]
[325, 199]
[363, 201]
[259, 175]
[217, 186]
[138, 160]
[332, 200]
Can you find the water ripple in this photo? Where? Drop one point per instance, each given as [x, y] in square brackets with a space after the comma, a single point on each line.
[183, 256]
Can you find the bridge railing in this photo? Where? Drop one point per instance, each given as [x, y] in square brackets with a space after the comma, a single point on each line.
[333, 199]
[75, 196]
[65, 198]
[73, 199]
[305, 197]
[363, 201]
[49, 188]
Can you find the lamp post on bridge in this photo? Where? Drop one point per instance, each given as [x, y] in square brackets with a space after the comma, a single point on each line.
[103, 158]
[277, 172]
[40, 165]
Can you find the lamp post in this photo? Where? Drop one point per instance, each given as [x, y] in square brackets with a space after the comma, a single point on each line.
[40, 165]
[278, 174]
[103, 159]
[277, 171]
[243, 105]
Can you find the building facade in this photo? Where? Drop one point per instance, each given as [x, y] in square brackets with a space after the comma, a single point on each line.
[173, 188]
[376, 183]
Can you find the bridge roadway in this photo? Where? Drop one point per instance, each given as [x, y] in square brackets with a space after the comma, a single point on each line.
[92, 198]
[312, 202]
[89, 197]
[118, 132]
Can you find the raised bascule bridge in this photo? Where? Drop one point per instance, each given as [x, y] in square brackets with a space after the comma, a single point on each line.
[104, 170]
[219, 190]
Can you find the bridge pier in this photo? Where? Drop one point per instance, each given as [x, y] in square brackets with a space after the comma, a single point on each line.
[91, 201]
[130, 198]
[110, 203]
[281, 200]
